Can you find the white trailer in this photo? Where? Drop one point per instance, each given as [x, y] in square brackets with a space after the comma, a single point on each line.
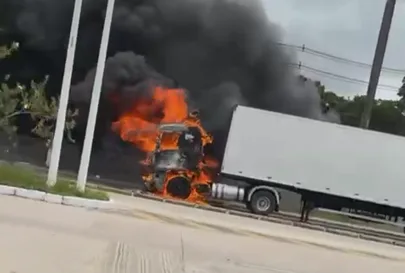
[268, 149]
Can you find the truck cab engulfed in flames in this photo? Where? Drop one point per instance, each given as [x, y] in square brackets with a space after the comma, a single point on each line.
[177, 167]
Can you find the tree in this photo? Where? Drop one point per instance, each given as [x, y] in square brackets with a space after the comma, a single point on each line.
[387, 115]
[17, 100]
[9, 97]
[350, 110]
[401, 91]
[6, 51]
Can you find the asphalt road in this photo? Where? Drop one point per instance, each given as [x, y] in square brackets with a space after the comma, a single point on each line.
[40, 237]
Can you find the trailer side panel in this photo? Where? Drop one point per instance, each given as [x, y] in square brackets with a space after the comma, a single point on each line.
[316, 156]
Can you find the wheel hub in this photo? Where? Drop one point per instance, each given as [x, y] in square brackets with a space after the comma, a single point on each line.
[263, 203]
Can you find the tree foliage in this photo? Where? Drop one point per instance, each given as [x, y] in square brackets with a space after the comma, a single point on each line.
[17, 100]
[401, 91]
[387, 115]
[5, 51]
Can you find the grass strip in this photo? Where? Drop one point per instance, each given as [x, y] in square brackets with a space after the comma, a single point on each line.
[22, 177]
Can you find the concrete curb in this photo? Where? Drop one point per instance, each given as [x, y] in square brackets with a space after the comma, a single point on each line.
[56, 198]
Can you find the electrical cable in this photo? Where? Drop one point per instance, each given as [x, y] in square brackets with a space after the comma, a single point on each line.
[342, 78]
[332, 57]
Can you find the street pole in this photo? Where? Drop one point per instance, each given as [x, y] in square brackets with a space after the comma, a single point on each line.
[377, 62]
[56, 144]
[95, 99]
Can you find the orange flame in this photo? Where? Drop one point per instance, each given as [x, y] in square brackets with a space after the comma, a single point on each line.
[139, 126]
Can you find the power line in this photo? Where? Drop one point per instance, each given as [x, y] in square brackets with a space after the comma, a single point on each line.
[326, 55]
[341, 77]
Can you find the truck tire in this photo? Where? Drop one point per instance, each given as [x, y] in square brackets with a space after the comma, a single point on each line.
[262, 202]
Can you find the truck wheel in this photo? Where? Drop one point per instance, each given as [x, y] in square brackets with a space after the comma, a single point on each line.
[262, 202]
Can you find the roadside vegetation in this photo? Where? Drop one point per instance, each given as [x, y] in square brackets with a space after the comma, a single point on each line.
[31, 100]
[17, 176]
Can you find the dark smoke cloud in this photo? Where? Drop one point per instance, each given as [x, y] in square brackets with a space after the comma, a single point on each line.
[126, 75]
[222, 51]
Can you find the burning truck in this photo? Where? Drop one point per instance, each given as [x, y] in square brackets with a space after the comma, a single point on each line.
[175, 165]
[173, 141]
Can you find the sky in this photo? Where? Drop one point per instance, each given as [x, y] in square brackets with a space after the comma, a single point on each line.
[344, 28]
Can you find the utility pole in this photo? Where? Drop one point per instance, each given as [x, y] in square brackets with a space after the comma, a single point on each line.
[377, 62]
[95, 99]
[56, 143]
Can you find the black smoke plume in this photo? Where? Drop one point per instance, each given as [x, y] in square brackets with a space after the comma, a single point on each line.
[223, 52]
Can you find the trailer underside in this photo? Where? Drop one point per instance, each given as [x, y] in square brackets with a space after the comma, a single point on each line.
[311, 200]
